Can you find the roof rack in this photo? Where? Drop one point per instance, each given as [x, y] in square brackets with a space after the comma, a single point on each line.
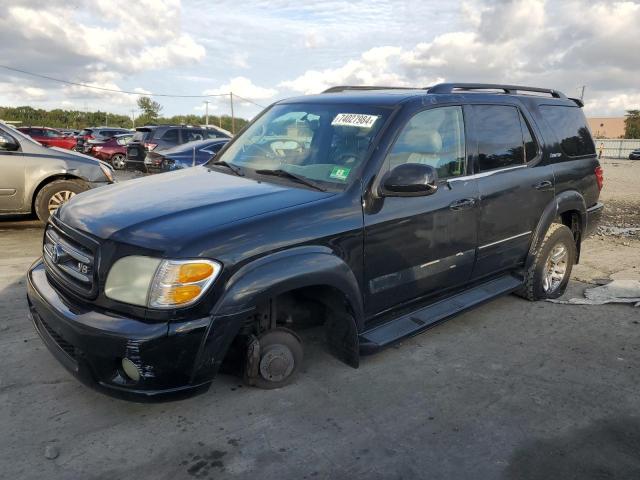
[508, 89]
[343, 88]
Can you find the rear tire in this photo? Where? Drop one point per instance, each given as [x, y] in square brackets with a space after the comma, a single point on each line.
[549, 274]
[119, 161]
[53, 195]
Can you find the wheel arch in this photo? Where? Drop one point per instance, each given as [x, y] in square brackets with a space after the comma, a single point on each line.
[47, 180]
[569, 208]
[312, 268]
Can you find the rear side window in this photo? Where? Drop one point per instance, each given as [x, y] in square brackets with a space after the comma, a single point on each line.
[570, 126]
[171, 136]
[500, 142]
[141, 136]
[193, 135]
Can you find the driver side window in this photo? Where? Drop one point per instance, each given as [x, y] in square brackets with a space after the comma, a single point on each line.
[433, 137]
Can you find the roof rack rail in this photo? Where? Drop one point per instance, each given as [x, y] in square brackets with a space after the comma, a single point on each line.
[508, 89]
[343, 88]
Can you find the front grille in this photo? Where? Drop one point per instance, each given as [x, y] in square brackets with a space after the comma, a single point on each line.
[62, 343]
[70, 259]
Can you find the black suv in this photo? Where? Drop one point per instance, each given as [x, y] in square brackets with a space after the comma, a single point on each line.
[162, 137]
[374, 213]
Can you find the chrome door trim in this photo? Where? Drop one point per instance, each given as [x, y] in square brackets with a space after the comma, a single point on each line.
[513, 237]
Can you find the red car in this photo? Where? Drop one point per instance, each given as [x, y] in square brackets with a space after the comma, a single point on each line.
[113, 150]
[49, 137]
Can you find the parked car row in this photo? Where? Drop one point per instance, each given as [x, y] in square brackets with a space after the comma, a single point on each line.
[149, 144]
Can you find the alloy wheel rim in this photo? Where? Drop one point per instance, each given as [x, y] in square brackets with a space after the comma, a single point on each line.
[555, 268]
[58, 198]
[118, 161]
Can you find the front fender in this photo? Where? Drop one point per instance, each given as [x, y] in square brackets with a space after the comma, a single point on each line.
[563, 202]
[287, 270]
[270, 276]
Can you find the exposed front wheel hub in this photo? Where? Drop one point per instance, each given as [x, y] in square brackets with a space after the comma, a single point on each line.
[277, 363]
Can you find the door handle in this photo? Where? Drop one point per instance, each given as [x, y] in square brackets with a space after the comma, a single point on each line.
[545, 185]
[463, 204]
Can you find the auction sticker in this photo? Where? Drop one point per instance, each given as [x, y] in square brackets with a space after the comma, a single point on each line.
[340, 173]
[354, 120]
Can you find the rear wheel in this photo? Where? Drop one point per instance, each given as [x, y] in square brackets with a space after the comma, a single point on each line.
[53, 195]
[119, 161]
[548, 277]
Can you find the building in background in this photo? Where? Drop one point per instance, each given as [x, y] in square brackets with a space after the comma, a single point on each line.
[607, 127]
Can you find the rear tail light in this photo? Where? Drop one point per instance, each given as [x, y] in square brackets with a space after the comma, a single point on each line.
[599, 177]
[150, 146]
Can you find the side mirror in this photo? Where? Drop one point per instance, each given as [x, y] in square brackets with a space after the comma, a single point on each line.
[8, 143]
[409, 180]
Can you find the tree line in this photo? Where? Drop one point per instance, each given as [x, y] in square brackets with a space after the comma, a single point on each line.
[77, 119]
[632, 124]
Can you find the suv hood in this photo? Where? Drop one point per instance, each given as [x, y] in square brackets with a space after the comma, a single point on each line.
[155, 211]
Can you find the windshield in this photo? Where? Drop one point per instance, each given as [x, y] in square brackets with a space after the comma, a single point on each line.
[323, 143]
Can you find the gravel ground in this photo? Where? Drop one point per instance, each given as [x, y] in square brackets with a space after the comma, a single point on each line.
[510, 390]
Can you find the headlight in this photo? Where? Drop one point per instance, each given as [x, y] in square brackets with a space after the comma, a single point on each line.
[107, 172]
[155, 283]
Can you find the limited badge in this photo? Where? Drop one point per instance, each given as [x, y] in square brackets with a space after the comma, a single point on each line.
[354, 120]
[340, 173]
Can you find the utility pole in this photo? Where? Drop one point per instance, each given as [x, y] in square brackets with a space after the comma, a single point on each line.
[582, 93]
[233, 118]
[133, 118]
[106, 119]
[206, 114]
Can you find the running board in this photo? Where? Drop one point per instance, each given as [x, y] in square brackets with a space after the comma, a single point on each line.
[419, 320]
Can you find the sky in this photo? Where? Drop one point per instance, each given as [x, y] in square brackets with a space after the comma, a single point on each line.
[267, 50]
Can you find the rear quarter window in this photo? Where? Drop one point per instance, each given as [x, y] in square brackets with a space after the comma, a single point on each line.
[570, 127]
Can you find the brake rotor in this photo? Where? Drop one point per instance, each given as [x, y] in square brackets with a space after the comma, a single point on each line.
[277, 363]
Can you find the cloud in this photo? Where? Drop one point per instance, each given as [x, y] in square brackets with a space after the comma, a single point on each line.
[559, 45]
[100, 42]
[243, 87]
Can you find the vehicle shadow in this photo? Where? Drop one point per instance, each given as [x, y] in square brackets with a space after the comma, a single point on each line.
[606, 449]
[20, 222]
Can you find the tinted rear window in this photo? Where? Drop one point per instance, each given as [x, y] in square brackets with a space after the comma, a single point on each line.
[570, 126]
[141, 136]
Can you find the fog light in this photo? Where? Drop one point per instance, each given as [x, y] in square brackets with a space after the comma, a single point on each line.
[131, 369]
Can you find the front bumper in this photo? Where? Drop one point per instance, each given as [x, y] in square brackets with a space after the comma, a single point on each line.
[91, 346]
[594, 215]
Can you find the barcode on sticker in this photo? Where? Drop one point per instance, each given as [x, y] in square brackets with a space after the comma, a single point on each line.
[354, 120]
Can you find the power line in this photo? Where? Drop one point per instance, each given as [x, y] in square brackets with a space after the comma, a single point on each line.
[127, 92]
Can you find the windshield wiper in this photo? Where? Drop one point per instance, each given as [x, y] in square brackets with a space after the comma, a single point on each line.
[233, 168]
[299, 178]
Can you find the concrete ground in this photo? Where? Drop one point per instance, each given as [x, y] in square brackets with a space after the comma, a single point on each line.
[511, 390]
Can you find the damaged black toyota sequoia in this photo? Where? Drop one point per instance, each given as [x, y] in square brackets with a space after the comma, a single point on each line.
[373, 212]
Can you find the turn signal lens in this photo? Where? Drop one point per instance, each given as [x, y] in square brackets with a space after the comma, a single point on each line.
[194, 272]
[182, 294]
[178, 283]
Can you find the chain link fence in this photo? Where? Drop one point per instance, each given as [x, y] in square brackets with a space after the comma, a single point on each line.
[616, 147]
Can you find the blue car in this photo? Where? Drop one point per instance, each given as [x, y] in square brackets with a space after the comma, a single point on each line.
[183, 156]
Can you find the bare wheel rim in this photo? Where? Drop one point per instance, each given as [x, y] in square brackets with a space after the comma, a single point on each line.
[57, 199]
[555, 268]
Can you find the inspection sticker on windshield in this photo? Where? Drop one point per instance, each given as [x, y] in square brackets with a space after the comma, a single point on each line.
[354, 120]
[340, 173]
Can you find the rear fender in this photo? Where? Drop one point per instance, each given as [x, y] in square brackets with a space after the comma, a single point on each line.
[563, 202]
